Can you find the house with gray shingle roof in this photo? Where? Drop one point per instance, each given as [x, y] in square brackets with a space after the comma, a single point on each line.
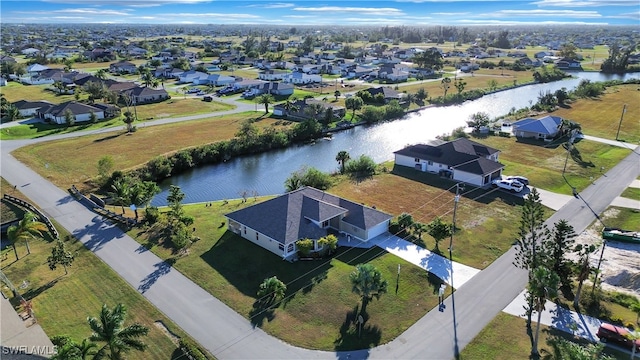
[306, 213]
[461, 159]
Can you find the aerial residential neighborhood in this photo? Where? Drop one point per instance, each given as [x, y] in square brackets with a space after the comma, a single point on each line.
[253, 180]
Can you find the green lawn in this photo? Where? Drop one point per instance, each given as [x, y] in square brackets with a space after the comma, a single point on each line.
[15, 91]
[169, 108]
[62, 302]
[505, 337]
[543, 163]
[631, 193]
[319, 309]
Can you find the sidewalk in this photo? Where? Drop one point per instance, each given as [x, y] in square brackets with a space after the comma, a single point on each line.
[433, 263]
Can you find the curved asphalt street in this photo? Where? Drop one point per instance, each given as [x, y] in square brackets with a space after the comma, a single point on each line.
[227, 335]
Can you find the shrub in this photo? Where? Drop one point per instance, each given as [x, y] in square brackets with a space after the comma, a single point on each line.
[362, 166]
[159, 168]
[304, 246]
[329, 244]
[151, 214]
[504, 134]
[191, 350]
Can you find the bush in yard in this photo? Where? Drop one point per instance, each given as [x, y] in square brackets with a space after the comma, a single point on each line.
[304, 246]
[361, 167]
[151, 214]
[191, 350]
[329, 244]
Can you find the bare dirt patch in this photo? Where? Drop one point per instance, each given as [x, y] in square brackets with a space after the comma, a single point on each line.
[620, 268]
[162, 327]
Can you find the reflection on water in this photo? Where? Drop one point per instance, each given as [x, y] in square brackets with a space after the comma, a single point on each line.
[265, 173]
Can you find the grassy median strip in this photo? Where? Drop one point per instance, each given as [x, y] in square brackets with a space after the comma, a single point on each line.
[62, 302]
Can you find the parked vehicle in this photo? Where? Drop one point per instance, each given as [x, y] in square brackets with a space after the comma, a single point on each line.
[207, 98]
[616, 334]
[521, 179]
[510, 185]
[621, 235]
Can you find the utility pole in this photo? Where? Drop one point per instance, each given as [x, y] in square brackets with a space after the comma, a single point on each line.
[624, 110]
[455, 208]
[595, 279]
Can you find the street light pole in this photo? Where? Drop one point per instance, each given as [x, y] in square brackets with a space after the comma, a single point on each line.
[595, 279]
[624, 110]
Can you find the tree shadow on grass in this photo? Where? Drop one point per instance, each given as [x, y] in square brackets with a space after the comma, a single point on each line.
[109, 137]
[262, 311]
[33, 293]
[357, 336]
[245, 265]
[355, 256]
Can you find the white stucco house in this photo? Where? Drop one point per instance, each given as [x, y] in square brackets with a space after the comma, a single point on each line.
[461, 160]
[306, 213]
[80, 112]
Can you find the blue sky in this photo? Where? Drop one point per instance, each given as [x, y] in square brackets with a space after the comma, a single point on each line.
[325, 12]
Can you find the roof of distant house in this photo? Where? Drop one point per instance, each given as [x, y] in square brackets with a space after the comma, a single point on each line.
[545, 125]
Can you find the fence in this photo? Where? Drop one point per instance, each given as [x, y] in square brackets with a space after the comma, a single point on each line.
[99, 209]
[43, 217]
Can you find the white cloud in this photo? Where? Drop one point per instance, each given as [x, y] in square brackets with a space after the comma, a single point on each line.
[451, 13]
[272, 5]
[138, 3]
[546, 13]
[99, 12]
[212, 15]
[513, 22]
[631, 15]
[586, 3]
[358, 10]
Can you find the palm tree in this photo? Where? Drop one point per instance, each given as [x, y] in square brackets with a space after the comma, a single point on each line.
[543, 286]
[148, 80]
[584, 269]
[446, 84]
[108, 328]
[367, 282]
[272, 290]
[128, 119]
[354, 103]
[121, 192]
[101, 74]
[290, 106]
[265, 99]
[409, 98]
[342, 158]
[27, 228]
[439, 230]
[141, 194]
[336, 94]
[313, 110]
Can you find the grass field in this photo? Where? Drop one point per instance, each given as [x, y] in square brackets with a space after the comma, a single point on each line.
[631, 193]
[15, 91]
[601, 116]
[74, 161]
[505, 338]
[62, 302]
[320, 308]
[543, 163]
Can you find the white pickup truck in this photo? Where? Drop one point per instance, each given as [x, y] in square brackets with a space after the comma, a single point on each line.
[511, 185]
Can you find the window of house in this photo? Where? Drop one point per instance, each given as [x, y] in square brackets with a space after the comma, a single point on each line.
[290, 247]
[429, 162]
[325, 223]
[245, 230]
[281, 247]
[416, 159]
[257, 236]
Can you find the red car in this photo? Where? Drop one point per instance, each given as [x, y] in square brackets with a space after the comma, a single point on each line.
[616, 334]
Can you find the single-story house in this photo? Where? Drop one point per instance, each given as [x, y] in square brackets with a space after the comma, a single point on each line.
[143, 95]
[247, 84]
[272, 75]
[388, 93]
[29, 108]
[192, 76]
[276, 88]
[306, 213]
[568, 64]
[81, 112]
[301, 78]
[216, 80]
[461, 160]
[123, 67]
[545, 128]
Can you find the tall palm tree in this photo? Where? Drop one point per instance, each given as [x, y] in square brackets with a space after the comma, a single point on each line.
[141, 194]
[121, 192]
[109, 328]
[101, 74]
[148, 80]
[272, 289]
[584, 269]
[266, 99]
[27, 228]
[342, 158]
[367, 282]
[543, 286]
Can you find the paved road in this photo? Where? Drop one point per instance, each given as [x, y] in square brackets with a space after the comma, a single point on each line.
[229, 336]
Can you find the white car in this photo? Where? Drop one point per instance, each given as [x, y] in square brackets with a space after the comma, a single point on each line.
[510, 185]
[521, 179]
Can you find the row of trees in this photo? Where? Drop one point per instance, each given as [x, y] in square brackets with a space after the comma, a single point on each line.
[438, 229]
[544, 254]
